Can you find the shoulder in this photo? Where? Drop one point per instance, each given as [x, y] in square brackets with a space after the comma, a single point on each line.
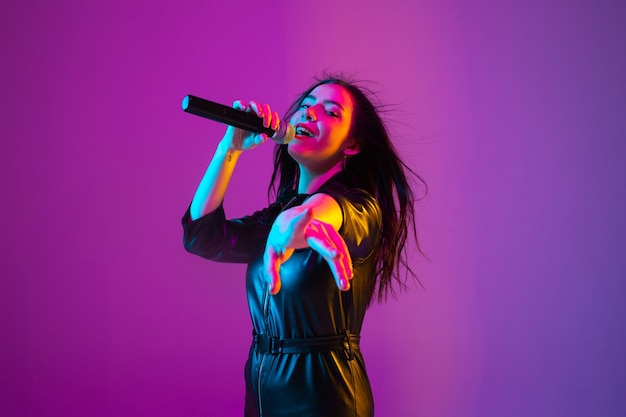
[361, 213]
[349, 195]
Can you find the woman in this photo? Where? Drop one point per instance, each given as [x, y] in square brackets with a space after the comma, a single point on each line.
[333, 238]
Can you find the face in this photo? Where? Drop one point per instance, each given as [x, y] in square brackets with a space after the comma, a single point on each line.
[323, 127]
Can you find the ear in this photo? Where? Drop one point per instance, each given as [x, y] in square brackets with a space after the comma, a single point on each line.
[352, 148]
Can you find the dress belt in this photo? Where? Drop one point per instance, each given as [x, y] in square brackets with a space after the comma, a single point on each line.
[269, 344]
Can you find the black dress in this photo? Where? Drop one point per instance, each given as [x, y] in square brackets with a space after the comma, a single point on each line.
[304, 360]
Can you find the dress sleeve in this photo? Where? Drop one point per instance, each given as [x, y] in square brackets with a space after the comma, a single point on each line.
[361, 220]
[237, 241]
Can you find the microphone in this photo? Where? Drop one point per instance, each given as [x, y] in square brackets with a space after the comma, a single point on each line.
[237, 118]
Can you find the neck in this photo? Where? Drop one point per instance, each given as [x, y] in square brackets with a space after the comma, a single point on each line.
[310, 181]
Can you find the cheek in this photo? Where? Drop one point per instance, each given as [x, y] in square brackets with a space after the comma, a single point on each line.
[295, 118]
[339, 134]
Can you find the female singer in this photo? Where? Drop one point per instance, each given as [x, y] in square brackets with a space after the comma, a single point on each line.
[333, 239]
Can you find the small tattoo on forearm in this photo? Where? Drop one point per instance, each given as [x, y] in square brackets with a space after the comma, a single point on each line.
[229, 157]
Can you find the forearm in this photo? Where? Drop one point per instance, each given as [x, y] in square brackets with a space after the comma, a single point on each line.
[210, 192]
[212, 188]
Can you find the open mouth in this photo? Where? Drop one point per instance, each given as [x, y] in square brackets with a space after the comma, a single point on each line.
[303, 131]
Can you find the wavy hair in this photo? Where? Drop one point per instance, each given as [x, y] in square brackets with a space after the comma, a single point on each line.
[378, 169]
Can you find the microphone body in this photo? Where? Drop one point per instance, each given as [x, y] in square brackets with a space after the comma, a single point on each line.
[237, 118]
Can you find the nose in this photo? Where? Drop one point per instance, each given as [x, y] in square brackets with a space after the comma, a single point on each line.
[308, 115]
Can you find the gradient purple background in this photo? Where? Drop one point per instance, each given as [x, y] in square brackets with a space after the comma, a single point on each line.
[515, 115]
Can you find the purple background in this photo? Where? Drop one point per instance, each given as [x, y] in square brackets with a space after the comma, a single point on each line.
[514, 112]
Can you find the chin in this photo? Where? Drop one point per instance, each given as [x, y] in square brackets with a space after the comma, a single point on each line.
[297, 151]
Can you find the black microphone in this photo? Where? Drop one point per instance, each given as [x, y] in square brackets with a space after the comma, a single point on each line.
[237, 118]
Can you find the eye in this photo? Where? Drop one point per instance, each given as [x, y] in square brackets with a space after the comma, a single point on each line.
[332, 113]
[305, 106]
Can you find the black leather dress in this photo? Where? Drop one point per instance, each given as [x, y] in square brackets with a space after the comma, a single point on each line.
[302, 363]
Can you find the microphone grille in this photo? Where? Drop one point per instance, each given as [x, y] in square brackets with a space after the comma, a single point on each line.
[290, 133]
[284, 134]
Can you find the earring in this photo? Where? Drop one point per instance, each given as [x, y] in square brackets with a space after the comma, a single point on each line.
[345, 161]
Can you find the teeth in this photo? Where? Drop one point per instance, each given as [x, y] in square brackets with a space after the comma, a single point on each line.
[303, 131]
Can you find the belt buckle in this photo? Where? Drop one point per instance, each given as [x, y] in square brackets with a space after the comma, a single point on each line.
[275, 345]
[268, 344]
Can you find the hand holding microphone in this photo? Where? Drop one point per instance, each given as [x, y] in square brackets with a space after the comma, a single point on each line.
[259, 119]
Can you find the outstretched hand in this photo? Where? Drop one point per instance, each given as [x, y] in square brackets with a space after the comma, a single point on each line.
[297, 228]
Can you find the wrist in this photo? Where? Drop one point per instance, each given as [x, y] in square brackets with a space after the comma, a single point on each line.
[225, 149]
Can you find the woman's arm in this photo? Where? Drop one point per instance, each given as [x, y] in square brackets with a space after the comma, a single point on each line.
[212, 188]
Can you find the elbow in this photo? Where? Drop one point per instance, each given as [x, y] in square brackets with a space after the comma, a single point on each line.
[190, 245]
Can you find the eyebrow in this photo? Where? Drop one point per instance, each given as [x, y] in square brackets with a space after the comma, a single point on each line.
[312, 97]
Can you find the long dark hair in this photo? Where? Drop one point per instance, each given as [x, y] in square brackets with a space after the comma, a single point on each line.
[378, 170]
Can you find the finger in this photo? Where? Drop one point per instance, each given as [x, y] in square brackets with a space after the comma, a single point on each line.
[339, 273]
[260, 138]
[275, 121]
[239, 105]
[267, 115]
[341, 247]
[320, 241]
[334, 244]
[257, 108]
[334, 253]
